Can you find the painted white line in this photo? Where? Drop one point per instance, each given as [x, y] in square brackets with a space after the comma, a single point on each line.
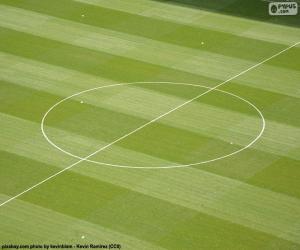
[257, 65]
[167, 166]
[110, 144]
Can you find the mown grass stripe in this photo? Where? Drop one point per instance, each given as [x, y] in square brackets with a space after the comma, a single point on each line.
[202, 19]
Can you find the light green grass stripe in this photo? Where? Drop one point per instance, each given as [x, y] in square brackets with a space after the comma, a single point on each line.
[273, 79]
[25, 137]
[215, 195]
[46, 77]
[203, 19]
[63, 81]
[57, 228]
[146, 50]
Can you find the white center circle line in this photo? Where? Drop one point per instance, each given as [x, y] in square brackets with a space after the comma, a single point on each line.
[152, 167]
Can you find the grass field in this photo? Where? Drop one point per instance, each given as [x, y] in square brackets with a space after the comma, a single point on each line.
[137, 174]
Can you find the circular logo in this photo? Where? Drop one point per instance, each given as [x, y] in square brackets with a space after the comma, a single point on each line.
[274, 8]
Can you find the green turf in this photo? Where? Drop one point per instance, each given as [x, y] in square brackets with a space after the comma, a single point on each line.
[52, 49]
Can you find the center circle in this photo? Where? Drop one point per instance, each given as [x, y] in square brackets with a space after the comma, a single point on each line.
[211, 90]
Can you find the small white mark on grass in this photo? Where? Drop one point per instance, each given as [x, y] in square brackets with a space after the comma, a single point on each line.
[202, 43]
[82, 237]
[81, 102]
[82, 15]
[231, 143]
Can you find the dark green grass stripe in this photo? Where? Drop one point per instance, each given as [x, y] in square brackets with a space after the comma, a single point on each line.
[215, 41]
[90, 61]
[214, 98]
[270, 103]
[119, 209]
[262, 169]
[24, 102]
[275, 107]
[282, 176]
[19, 173]
[290, 59]
[173, 144]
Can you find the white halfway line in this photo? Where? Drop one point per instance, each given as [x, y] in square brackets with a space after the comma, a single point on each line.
[146, 124]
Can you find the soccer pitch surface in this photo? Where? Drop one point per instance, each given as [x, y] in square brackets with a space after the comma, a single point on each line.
[149, 124]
